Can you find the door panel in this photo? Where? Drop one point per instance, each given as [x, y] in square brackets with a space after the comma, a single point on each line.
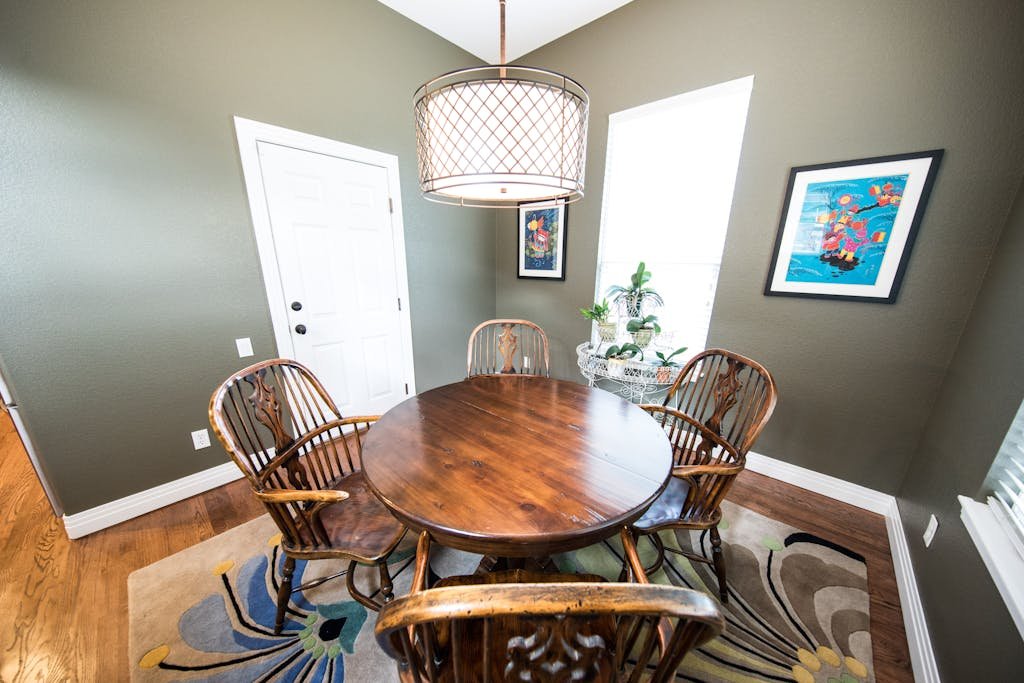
[335, 248]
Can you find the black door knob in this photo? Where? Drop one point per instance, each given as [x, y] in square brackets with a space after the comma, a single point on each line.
[300, 329]
[296, 306]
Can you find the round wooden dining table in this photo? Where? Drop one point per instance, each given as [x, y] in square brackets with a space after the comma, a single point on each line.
[513, 466]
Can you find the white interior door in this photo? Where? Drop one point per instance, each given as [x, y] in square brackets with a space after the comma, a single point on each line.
[340, 272]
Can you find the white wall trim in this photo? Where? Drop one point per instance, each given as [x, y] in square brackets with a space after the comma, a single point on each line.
[249, 133]
[922, 657]
[120, 510]
[998, 553]
[838, 489]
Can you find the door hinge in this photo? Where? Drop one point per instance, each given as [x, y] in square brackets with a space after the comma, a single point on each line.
[399, 303]
[391, 205]
[406, 388]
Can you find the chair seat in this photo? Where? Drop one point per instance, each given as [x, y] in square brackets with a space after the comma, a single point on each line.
[666, 510]
[359, 527]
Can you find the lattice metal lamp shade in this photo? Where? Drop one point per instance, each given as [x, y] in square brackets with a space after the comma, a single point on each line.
[497, 135]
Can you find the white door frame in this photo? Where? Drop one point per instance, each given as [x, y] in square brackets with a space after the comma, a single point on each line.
[252, 132]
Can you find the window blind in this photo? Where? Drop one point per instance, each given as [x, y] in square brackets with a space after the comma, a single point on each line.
[1005, 483]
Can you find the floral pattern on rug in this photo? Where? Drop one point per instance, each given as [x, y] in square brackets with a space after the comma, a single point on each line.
[797, 611]
[798, 604]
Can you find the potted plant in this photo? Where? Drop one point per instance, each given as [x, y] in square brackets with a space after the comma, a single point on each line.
[599, 314]
[618, 355]
[637, 293]
[665, 364]
[643, 329]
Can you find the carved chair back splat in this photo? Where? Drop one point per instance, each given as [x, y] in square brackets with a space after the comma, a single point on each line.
[508, 346]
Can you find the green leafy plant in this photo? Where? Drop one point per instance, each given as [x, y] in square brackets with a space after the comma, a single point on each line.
[623, 352]
[666, 361]
[648, 322]
[598, 312]
[636, 293]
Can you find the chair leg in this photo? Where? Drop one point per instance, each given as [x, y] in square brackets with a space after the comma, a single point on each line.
[284, 593]
[386, 587]
[719, 561]
[356, 594]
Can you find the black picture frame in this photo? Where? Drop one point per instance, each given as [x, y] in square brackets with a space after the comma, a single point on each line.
[899, 186]
[532, 239]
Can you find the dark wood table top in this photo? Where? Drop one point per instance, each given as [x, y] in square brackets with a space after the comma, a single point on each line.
[516, 466]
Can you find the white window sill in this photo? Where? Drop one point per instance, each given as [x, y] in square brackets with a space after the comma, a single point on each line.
[999, 555]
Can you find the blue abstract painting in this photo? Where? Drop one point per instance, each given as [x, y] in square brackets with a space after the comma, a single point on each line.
[844, 230]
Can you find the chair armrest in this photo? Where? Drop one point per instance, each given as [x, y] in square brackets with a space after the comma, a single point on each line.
[368, 419]
[295, 496]
[685, 471]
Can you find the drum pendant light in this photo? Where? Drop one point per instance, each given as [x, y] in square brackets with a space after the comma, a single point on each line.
[494, 136]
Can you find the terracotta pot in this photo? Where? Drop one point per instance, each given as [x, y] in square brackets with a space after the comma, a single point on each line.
[664, 372]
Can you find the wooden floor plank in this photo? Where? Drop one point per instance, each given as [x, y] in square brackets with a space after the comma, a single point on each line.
[64, 604]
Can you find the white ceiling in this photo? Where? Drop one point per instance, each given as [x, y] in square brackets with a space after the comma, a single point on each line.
[473, 24]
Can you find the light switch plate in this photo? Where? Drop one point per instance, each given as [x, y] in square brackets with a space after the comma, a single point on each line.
[201, 439]
[244, 347]
[929, 532]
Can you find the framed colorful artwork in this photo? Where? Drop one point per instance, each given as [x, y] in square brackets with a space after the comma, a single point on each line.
[542, 230]
[847, 228]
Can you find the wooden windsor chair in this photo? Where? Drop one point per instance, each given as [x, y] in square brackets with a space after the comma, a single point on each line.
[529, 626]
[712, 415]
[303, 460]
[508, 346]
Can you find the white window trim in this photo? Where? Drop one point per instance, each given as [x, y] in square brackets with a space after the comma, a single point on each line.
[997, 551]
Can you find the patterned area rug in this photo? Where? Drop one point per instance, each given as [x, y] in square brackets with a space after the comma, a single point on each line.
[798, 608]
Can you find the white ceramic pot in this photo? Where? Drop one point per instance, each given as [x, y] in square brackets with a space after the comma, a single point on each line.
[616, 367]
[643, 337]
[607, 331]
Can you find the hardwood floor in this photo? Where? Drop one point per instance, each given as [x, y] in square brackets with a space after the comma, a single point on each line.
[64, 604]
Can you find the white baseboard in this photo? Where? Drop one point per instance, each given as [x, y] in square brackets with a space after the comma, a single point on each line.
[117, 511]
[838, 489]
[922, 657]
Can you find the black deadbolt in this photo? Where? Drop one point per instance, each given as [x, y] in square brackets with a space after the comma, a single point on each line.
[301, 329]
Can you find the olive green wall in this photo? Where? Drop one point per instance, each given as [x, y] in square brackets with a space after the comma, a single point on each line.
[127, 260]
[833, 81]
[975, 637]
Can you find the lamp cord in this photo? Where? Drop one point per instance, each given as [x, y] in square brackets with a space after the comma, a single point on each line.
[501, 4]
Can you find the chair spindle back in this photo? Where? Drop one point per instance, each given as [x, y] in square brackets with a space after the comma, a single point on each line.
[731, 394]
[508, 346]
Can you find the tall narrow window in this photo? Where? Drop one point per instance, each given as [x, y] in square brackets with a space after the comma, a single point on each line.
[669, 179]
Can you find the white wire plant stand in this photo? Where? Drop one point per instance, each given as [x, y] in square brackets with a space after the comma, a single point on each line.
[632, 379]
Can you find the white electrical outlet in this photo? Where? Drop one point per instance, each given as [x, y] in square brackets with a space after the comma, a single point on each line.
[929, 532]
[244, 347]
[201, 439]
